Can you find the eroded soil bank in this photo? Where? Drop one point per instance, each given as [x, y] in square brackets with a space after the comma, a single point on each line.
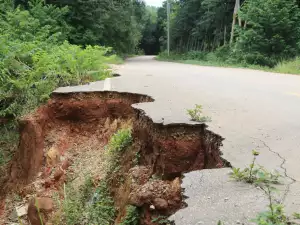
[76, 127]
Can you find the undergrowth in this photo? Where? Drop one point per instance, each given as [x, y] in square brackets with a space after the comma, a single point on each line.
[197, 115]
[265, 180]
[89, 205]
[255, 174]
[163, 220]
[94, 204]
[115, 147]
[219, 60]
[8, 141]
[132, 216]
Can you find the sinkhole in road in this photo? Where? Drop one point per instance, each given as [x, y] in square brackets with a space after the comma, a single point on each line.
[78, 125]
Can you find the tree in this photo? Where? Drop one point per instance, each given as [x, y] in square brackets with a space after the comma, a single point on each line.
[235, 12]
[272, 33]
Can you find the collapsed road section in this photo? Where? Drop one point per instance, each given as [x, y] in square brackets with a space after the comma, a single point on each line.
[64, 140]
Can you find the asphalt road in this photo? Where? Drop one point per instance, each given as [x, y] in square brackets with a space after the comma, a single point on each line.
[250, 109]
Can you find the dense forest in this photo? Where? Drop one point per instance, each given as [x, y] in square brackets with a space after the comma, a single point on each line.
[261, 32]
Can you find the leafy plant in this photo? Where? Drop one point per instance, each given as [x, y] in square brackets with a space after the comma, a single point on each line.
[254, 174]
[132, 216]
[8, 141]
[137, 158]
[89, 206]
[275, 216]
[296, 215]
[35, 60]
[119, 141]
[196, 114]
[115, 147]
[101, 209]
[161, 220]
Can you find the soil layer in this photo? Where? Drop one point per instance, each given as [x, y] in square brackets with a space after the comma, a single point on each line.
[164, 152]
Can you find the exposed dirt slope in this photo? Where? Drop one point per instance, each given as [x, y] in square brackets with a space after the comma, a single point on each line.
[73, 125]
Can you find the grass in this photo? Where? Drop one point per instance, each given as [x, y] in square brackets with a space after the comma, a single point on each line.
[215, 63]
[289, 67]
[116, 60]
[132, 216]
[285, 67]
[94, 205]
[88, 204]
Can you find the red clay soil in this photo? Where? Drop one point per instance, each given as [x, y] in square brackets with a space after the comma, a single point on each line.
[165, 151]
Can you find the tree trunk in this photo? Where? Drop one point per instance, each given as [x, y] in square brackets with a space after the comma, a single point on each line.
[225, 33]
[236, 9]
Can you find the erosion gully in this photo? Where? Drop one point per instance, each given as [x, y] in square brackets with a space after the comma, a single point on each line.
[165, 151]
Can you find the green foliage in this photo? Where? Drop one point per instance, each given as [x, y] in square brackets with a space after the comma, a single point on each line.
[8, 141]
[132, 216]
[34, 61]
[137, 158]
[196, 114]
[271, 34]
[114, 23]
[115, 147]
[264, 179]
[292, 66]
[89, 206]
[119, 141]
[161, 220]
[254, 174]
[296, 215]
[201, 25]
[275, 216]
[101, 210]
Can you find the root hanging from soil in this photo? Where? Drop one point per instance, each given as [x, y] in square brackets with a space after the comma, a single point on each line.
[64, 139]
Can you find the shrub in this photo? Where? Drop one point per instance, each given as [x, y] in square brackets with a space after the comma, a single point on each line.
[34, 60]
[195, 55]
[271, 34]
[87, 206]
[255, 174]
[292, 66]
[119, 141]
[132, 216]
[196, 114]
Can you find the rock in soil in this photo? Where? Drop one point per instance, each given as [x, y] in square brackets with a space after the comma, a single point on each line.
[45, 205]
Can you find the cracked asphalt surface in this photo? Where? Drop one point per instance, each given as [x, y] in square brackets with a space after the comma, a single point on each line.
[250, 109]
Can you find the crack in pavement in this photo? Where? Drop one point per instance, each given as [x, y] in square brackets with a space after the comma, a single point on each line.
[282, 167]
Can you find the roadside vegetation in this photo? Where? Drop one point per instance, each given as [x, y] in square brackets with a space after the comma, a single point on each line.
[50, 44]
[265, 180]
[197, 115]
[204, 33]
[92, 203]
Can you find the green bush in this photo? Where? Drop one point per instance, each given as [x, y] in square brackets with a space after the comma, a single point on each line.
[194, 55]
[119, 141]
[272, 32]
[34, 61]
[88, 206]
[292, 66]
[132, 216]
